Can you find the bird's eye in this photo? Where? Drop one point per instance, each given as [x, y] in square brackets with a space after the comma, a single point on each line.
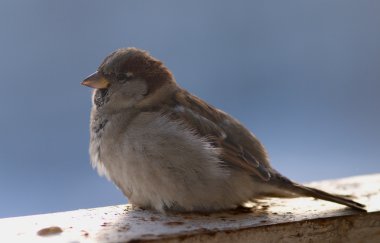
[124, 77]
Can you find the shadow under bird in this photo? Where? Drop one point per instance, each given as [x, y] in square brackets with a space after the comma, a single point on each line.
[169, 150]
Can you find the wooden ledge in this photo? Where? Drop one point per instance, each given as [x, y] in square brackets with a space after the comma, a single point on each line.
[273, 220]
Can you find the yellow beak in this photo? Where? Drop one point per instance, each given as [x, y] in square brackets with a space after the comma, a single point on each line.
[96, 81]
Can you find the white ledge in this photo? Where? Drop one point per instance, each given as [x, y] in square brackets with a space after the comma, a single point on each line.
[272, 220]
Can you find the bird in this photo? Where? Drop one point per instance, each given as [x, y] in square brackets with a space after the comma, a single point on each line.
[168, 150]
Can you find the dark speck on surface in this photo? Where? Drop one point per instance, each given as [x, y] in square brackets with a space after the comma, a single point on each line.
[174, 223]
[85, 233]
[49, 231]
[154, 218]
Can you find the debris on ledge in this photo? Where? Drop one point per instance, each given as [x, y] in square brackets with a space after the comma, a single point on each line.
[271, 220]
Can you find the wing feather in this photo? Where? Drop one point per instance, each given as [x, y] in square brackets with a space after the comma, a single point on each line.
[239, 147]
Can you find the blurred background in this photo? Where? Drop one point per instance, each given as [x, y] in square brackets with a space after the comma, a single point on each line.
[304, 76]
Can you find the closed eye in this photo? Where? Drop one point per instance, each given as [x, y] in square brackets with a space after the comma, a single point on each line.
[124, 77]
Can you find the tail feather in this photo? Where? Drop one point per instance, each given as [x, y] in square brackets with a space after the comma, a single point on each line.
[301, 190]
[312, 192]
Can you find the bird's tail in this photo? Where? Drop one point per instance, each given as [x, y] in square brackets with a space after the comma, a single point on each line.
[298, 189]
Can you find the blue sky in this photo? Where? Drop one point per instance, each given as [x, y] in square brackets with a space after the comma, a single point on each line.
[304, 76]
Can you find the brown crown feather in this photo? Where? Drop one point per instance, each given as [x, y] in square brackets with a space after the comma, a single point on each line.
[140, 64]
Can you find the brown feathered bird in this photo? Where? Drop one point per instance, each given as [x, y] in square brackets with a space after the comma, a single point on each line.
[169, 150]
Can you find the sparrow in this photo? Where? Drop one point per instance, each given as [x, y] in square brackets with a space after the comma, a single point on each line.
[170, 151]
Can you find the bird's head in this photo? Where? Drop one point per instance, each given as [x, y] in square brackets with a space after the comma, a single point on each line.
[127, 77]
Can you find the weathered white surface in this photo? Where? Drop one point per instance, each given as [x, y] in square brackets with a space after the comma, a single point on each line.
[274, 220]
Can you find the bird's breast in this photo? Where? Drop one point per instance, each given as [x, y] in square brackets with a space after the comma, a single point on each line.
[153, 159]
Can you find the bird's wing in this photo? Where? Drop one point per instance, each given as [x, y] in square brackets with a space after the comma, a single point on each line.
[239, 147]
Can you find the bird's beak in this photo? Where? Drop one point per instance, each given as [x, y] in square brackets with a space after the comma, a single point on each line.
[96, 81]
